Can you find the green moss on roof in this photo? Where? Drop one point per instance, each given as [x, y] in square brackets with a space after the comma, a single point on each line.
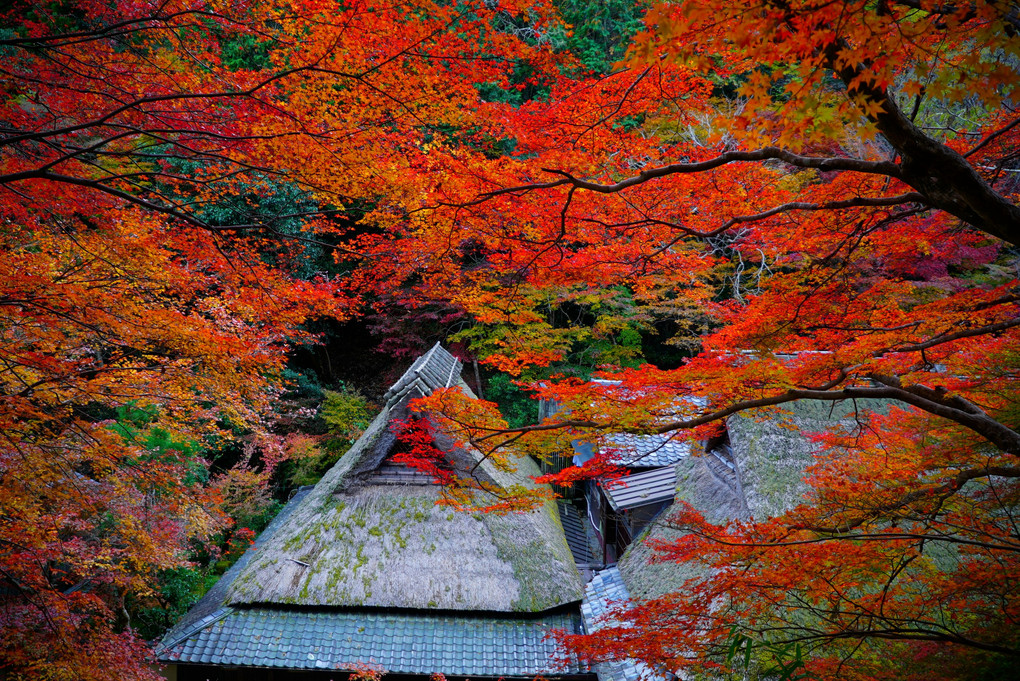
[772, 449]
[392, 546]
[542, 562]
[644, 576]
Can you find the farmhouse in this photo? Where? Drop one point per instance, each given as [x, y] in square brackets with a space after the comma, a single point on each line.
[365, 570]
[756, 469]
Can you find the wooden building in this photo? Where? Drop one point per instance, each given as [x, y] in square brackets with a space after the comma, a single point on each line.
[366, 570]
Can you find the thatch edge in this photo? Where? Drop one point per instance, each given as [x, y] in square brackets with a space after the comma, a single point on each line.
[214, 600]
[771, 484]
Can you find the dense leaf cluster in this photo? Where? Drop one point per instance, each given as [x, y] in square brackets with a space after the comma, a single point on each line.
[772, 202]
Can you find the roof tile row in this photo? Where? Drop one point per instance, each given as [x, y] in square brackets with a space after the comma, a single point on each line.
[646, 451]
[605, 592]
[395, 642]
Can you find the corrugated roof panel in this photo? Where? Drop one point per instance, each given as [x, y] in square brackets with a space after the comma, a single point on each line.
[399, 643]
[577, 538]
[641, 489]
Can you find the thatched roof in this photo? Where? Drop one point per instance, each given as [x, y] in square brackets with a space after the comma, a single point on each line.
[478, 645]
[355, 542]
[771, 450]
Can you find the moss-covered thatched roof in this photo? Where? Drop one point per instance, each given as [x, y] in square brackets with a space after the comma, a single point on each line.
[355, 542]
[771, 450]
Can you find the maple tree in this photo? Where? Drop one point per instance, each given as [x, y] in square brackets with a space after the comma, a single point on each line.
[817, 199]
[167, 170]
[842, 226]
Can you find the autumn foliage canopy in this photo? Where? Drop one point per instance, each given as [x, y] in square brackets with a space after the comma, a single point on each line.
[804, 200]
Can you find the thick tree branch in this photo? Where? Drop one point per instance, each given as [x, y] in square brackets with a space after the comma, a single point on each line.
[961, 12]
[934, 401]
[941, 492]
[949, 337]
[943, 176]
[765, 154]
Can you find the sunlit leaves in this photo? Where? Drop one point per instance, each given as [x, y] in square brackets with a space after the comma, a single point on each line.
[860, 266]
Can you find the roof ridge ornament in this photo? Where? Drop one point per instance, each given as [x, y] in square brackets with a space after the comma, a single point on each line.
[436, 369]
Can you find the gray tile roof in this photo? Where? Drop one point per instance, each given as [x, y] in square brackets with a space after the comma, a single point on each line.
[645, 451]
[641, 489]
[404, 643]
[602, 594]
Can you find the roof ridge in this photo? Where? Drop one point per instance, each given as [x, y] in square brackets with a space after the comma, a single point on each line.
[435, 369]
